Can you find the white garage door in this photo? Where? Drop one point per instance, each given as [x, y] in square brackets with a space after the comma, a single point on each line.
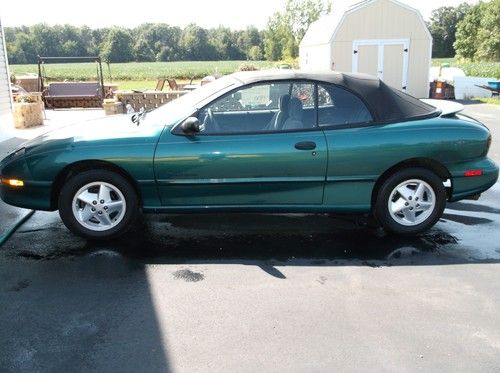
[387, 59]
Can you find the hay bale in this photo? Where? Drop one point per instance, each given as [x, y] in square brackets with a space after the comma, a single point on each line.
[28, 114]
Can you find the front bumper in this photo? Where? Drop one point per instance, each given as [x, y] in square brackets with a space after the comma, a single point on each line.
[34, 195]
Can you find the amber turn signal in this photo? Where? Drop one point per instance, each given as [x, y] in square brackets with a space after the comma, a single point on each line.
[13, 182]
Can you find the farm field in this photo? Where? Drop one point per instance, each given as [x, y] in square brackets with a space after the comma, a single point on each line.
[143, 75]
[139, 70]
[138, 75]
[486, 69]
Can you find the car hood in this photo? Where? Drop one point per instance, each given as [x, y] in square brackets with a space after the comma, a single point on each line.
[105, 131]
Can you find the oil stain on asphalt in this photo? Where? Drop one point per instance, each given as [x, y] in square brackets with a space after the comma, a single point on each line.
[188, 275]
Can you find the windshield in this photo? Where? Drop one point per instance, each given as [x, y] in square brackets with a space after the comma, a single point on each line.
[184, 105]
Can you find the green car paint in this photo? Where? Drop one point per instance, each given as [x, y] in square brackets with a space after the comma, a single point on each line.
[177, 172]
[258, 169]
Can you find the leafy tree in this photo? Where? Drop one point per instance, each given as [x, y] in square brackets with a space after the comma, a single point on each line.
[194, 44]
[224, 41]
[70, 48]
[255, 53]
[166, 54]
[22, 50]
[71, 41]
[442, 26]
[467, 31]
[165, 38]
[489, 33]
[142, 50]
[117, 46]
[478, 34]
[247, 39]
[146, 42]
[301, 13]
[285, 30]
[46, 40]
[275, 36]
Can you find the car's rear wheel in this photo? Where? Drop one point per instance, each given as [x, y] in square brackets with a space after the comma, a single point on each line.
[98, 204]
[410, 201]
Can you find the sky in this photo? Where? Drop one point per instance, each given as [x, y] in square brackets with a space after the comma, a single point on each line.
[235, 14]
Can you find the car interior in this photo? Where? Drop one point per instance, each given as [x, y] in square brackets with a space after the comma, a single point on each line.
[282, 106]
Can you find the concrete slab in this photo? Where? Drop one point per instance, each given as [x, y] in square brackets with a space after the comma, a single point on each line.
[6, 127]
[255, 292]
[53, 119]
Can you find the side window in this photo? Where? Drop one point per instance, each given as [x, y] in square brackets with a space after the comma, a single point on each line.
[268, 107]
[337, 106]
[305, 93]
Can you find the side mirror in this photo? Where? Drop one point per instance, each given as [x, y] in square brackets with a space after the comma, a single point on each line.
[190, 125]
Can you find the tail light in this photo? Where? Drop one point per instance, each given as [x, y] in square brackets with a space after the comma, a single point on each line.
[469, 173]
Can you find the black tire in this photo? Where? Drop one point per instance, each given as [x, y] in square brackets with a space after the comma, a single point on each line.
[123, 220]
[385, 217]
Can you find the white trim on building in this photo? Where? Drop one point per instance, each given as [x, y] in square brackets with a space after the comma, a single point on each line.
[5, 92]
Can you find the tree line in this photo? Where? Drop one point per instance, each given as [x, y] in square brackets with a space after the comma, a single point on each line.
[467, 31]
[145, 43]
[162, 42]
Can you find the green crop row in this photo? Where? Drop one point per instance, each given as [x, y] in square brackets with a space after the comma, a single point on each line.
[147, 71]
[138, 70]
[484, 69]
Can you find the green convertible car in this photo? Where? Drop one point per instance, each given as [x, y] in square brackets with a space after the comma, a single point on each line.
[267, 141]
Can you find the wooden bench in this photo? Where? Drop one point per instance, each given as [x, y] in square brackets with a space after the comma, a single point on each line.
[73, 94]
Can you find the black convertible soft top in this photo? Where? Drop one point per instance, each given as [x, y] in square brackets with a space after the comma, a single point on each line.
[386, 104]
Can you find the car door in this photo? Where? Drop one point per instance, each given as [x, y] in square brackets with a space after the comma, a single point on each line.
[246, 154]
[353, 148]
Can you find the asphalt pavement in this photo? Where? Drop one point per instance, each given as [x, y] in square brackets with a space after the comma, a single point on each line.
[255, 292]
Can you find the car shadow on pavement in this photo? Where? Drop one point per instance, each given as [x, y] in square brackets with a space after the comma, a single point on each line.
[69, 304]
[264, 239]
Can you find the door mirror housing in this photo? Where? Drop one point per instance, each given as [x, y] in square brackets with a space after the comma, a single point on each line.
[190, 125]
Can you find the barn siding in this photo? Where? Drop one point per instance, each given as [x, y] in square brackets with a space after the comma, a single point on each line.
[5, 97]
[386, 20]
[382, 19]
[377, 20]
[316, 57]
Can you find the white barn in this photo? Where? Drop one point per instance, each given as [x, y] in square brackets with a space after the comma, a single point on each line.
[5, 93]
[385, 38]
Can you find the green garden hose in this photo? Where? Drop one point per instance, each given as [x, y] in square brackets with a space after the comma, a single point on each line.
[4, 237]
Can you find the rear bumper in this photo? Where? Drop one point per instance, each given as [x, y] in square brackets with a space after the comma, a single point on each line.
[464, 186]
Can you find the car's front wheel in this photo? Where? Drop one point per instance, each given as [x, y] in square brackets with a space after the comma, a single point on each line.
[98, 204]
[410, 201]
